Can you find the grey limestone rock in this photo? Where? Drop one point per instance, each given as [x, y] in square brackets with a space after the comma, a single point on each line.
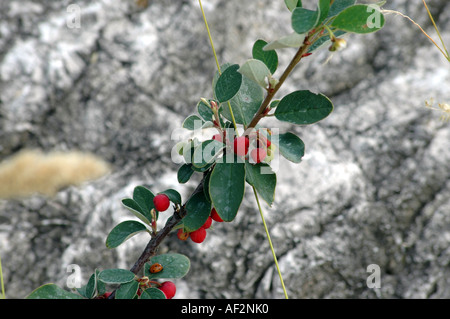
[373, 188]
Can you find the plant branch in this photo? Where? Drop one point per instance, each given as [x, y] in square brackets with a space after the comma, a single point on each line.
[152, 246]
[272, 91]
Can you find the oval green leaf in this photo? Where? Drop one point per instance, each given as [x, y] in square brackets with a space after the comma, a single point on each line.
[133, 207]
[184, 173]
[226, 188]
[127, 290]
[144, 198]
[90, 288]
[339, 6]
[152, 293]
[291, 146]
[174, 266]
[269, 58]
[303, 107]
[193, 122]
[304, 20]
[324, 9]
[293, 40]
[116, 276]
[228, 83]
[256, 71]
[359, 18]
[245, 103]
[52, 291]
[292, 4]
[124, 231]
[263, 179]
[198, 209]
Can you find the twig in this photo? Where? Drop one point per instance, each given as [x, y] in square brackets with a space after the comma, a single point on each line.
[152, 246]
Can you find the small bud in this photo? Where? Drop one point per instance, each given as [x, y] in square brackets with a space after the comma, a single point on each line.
[214, 105]
[338, 44]
[272, 81]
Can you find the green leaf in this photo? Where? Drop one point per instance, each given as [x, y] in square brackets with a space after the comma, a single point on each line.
[263, 179]
[193, 122]
[127, 290]
[228, 83]
[51, 291]
[293, 40]
[270, 58]
[292, 4]
[174, 266]
[291, 146]
[304, 20]
[152, 293]
[124, 231]
[339, 6]
[226, 188]
[359, 18]
[206, 152]
[144, 198]
[324, 9]
[173, 195]
[245, 103]
[205, 111]
[116, 276]
[132, 206]
[88, 290]
[184, 173]
[198, 209]
[274, 104]
[303, 107]
[188, 150]
[206, 186]
[256, 71]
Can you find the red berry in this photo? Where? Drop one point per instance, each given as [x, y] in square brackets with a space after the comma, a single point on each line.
[241, 145]
[258, 154]
[208, 223]
[161, 202]
[182, 235]
[168, 288]
[215, 216]
[105, 295]
[198, 236]
[218, 137]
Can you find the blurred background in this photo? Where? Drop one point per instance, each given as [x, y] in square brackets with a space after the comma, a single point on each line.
[106, 83]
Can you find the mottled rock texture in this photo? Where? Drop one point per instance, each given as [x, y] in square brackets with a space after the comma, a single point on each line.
[374, 186]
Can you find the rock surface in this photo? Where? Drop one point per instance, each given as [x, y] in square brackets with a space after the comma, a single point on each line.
[374, 186]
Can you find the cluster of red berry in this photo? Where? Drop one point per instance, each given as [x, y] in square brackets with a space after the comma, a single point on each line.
[242, 145]
[199, 235]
